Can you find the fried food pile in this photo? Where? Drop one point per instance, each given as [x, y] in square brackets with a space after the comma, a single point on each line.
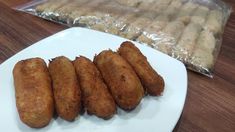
[113, 79]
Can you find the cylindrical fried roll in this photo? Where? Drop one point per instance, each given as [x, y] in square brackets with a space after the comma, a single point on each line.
[214, 21]
[186, 11]
[186, 44]
[67, 94]
[120, 78]
[199, 16]
[151, 80]
[33, 92]
[96, 97]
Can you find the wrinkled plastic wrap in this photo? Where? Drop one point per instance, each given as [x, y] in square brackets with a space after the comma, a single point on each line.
[188, 30]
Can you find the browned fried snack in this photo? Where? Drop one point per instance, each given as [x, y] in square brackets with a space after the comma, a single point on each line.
[33, 92]
[95, 95]
[67, 94]
[151, 80]
[120, 78]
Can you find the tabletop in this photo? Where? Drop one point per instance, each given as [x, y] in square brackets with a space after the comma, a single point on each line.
[210, 102]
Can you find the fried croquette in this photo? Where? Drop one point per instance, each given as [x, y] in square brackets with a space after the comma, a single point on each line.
[67, 94]
[96, 97]
[120, 78]
[152, 82]
[33, 92]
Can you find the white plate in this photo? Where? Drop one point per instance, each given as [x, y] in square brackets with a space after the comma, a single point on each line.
[158, 114]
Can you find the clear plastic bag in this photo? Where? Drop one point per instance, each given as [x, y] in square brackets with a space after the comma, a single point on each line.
[188, 30]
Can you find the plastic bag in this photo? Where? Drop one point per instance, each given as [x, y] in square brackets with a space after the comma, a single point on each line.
[188, 30]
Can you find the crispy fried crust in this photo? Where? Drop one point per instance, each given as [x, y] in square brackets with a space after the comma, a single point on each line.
[121, 79]
[67, 94]
[151, 80]
[95, 95]
[33, 92]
